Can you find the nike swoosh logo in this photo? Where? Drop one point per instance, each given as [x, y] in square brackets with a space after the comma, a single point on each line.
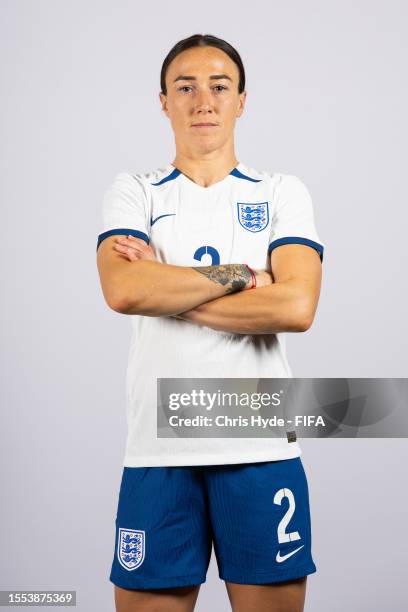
[280, 558]
[152, 222]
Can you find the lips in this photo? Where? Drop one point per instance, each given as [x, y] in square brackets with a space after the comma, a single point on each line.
[204, 125]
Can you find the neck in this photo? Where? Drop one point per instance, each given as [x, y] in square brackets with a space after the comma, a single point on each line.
[205, 170]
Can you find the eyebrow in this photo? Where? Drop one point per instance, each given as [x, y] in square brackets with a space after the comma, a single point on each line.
[192, 78]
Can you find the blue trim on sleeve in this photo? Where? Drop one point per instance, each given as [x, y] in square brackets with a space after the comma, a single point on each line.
[296, 240]
[239, 174]
[122, 231]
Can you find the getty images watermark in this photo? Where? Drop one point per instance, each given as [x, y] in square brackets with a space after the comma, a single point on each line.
[282, 407]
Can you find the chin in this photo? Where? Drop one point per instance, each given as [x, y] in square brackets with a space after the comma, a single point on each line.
[208, 142]
[208, 148]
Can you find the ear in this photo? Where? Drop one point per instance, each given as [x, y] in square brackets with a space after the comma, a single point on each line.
[163, 101]
[241, 104]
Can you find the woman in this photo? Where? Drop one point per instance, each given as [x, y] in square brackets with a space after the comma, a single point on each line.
[213, 260]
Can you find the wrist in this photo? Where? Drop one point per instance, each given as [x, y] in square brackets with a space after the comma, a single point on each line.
[251, 283]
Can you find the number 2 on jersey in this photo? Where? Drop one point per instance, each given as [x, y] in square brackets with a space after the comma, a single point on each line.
[208, 250]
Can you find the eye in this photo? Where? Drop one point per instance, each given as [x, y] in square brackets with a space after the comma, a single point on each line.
[184, 87]
[221, 86]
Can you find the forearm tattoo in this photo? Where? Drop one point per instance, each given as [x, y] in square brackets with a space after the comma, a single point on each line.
[234, 277]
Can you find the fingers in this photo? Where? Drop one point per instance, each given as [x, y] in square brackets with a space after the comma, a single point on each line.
[130, 248]
[130, 252]
[134, 248]
[131, 241]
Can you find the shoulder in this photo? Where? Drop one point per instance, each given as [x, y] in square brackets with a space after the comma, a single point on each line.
[152, 177]
[292, 186]
[140, 180]
[280, 181]
[280, 178]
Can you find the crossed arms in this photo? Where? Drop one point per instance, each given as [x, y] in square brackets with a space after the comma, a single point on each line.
[220, 297]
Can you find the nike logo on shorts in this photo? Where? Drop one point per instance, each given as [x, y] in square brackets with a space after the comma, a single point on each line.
[280, 558]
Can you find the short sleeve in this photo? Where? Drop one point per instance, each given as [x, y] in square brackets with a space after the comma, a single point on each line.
[124, 209]
[293, 218]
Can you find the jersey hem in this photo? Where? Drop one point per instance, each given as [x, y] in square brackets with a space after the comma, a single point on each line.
[222, 459]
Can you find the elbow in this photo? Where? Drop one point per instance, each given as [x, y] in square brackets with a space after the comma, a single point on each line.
[140, 304]
[119, 301]
[129, 293]
[303, 324]
[123, 305]
[118, 305]
[136, 294]
[303, 319]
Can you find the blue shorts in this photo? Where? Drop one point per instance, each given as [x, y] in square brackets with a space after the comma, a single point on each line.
[256, 515]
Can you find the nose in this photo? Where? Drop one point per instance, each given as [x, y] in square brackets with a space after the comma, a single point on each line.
[203, 102]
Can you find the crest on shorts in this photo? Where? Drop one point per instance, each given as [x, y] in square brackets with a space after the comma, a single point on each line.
[131, 548]
[253, 217]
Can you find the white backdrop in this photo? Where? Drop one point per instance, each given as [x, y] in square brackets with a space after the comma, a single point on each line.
[326, 101]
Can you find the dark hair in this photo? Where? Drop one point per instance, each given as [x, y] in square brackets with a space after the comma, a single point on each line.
[202, 40]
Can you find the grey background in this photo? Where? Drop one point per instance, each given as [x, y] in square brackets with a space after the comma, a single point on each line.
[327, 101]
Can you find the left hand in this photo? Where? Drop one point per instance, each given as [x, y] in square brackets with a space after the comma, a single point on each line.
[134, 248]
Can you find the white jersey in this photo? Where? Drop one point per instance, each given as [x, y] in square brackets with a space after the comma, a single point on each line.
[239, 219]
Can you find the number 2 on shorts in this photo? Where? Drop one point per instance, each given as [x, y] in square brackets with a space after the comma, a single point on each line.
[282, 535]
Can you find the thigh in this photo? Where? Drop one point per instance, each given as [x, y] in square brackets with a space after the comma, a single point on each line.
[163, 537]
[281, 597]
[260, 519]
[180, 599]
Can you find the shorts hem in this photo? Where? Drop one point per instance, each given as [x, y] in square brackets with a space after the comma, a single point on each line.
[269, 577]
[158, 583]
